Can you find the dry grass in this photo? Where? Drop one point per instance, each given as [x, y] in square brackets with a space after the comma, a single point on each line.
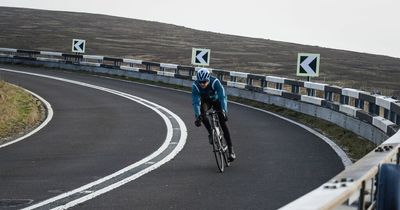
[19, 111]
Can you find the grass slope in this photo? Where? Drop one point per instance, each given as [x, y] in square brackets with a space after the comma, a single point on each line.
[159, 42]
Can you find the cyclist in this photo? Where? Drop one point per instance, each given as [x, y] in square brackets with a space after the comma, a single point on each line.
[207, 93]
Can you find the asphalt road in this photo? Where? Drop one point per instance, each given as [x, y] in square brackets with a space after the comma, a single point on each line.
[94, 133]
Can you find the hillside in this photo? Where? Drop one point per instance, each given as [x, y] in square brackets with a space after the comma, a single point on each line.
[159, 42]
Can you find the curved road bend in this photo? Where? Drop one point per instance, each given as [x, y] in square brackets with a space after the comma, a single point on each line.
[93, 134]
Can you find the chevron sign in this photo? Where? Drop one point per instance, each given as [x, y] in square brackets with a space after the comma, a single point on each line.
[201, 56]
[308, 65]
[78, 45]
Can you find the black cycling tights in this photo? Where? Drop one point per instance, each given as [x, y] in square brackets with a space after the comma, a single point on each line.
[205, 106]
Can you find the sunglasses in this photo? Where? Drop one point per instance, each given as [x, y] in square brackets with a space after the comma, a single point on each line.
[203, 82]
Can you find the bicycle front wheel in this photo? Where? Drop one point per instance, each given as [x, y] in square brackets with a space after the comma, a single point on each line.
[218, 152]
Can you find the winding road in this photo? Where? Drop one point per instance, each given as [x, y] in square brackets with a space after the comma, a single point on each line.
[96, 132]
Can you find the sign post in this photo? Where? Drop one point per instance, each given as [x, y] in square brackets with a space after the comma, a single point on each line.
[308, 65]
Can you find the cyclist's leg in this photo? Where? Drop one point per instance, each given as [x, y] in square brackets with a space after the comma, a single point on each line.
[217, 106]
[205, 106]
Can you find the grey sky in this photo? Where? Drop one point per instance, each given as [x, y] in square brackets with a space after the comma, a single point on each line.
[370, 26]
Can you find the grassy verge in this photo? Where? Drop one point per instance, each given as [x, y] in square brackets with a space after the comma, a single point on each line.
[354, 145]
[19, 111]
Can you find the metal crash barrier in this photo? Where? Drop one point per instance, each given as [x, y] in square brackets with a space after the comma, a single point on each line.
[374, 117]
[356, 186]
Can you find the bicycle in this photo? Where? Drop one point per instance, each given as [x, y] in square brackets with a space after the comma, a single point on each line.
[220, 148]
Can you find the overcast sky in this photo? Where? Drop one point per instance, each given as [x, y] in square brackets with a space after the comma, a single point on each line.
[371, 26]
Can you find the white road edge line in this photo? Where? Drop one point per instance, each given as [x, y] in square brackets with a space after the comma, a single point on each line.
[167, 141]
[50, 114]
[342, 155]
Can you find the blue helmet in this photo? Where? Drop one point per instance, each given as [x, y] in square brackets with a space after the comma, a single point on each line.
[203, 74]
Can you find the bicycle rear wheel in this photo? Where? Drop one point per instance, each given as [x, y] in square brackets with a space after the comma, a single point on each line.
[218, 152]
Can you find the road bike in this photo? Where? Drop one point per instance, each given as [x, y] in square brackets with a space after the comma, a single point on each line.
[220, 148]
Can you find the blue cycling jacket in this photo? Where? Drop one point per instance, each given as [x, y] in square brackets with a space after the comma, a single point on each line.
[214, 91]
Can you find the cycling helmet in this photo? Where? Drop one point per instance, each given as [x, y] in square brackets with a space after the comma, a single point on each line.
[203, 74]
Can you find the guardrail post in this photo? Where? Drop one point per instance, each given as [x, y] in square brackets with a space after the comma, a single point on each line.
[221, 77]
[344, 99]
[310, 92]
[328, 95]
[386, 113]
[374, 191]
[371, 107]
[359, 103]
[295, 89]
[392, 116]
[249, 81]
[361, 200]
[374, 109]
[377, 110]
[191, 72]
[264, 83]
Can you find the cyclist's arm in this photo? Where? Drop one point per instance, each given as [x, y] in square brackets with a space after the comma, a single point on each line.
[196, 100]
[221, 95]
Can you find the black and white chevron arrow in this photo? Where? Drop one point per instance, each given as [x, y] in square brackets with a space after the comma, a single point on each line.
[201, 57]
[308, 65]
[78, 45]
